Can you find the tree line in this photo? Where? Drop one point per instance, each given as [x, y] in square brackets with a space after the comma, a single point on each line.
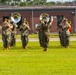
[34, 2]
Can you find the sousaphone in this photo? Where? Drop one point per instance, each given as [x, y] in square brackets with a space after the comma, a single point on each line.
[44, 16]
[15, 17]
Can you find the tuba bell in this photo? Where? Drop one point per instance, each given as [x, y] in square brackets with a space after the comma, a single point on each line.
[15, 17]
[44, 17]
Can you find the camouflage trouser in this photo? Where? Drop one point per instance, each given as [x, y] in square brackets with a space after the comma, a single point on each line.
[61, 38]
[13, 39]
[6, 40]
[40, 37]
[24, 41]
[65, 39]
[45, 40]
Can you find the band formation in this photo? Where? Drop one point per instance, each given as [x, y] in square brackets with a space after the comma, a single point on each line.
[43, 29]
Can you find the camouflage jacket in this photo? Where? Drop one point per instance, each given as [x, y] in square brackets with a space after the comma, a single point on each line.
[24, 30]
[65, 29]
[45, 28]
[6, 30]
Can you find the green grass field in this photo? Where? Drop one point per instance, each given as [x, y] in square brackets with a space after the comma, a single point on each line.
[52, 35]
[33, 61]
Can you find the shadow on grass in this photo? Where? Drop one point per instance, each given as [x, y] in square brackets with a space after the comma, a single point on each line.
[33, 46]
[29, 48]
[56, 47]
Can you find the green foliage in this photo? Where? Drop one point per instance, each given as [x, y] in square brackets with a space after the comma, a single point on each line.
[17, 0]
[33, 2]
[33, 61]
[50, 3]
[23, 4]
[4, 1]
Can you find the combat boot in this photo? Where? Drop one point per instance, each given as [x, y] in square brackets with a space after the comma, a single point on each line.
[45, 49]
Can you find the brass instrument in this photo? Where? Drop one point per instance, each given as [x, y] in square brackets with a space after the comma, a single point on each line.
[36, 26]
[44, 17]
[69, 22]
[15, 17]
[25, 21]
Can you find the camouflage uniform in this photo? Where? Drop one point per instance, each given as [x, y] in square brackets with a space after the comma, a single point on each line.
[65, 34]
[40, 37]
[45, 35]
[59, 27]
[24, 35]
[6, 35]
[13, 36]
[39, 34]
[60, 35]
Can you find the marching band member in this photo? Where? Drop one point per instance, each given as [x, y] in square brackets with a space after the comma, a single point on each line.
[65, 32]
[6, 34]
[39, 33]
[24, 33]
[45, 32]
[13, 34]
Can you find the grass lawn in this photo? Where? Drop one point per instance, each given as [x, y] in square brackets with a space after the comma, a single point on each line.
[52, 35]
[33, 61]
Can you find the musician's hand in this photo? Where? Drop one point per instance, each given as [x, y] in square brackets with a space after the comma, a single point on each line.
[11, 26]
[16, 26]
